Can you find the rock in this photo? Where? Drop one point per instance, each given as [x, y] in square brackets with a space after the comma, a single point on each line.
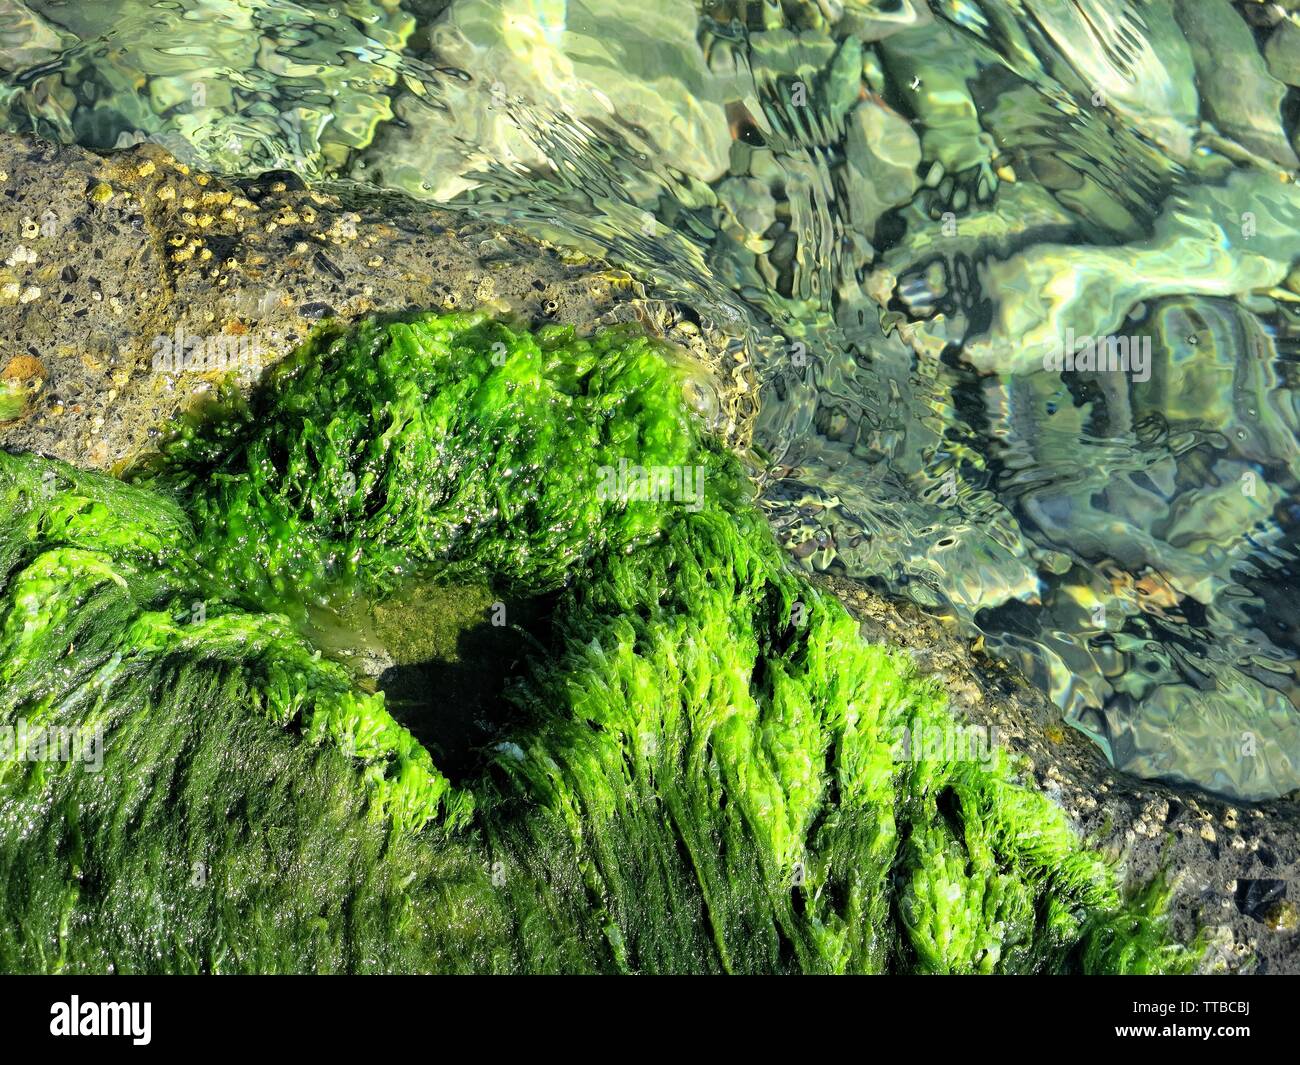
[1239, 94]
[748, 212]
[118, 255]
[883, 154]
[1282, 53]
[126, 258]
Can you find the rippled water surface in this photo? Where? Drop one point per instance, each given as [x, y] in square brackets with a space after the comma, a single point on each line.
[908, 213]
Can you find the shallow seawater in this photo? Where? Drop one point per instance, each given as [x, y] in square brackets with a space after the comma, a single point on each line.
[1017, 277]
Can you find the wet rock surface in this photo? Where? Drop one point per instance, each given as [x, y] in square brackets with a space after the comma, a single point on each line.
[1233, 865]
[109, 265]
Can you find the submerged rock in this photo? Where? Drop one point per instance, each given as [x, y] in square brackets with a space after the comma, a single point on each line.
[1232, 238]
[259, 85]
[1282, 53]
[883, 154]
[26, 39]
[637, 75]
[1242, 98]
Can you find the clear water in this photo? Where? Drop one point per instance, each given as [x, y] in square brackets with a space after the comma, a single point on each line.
[905, 212]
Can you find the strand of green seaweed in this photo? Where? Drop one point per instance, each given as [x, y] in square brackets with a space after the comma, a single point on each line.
[702, 773]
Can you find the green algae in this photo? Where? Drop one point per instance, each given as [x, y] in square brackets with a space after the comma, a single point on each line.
[13, 401]
[700, 770]
[452, 442]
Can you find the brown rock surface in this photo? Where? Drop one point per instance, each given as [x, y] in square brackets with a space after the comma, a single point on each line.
[101, 257]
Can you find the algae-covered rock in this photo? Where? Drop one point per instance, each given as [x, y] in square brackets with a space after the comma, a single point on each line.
[707, 769]
[460, 443]
[1207, 846]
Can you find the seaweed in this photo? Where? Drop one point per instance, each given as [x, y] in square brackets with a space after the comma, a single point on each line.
[701, 773]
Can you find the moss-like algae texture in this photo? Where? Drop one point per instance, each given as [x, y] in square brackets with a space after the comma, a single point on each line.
[699, 772]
